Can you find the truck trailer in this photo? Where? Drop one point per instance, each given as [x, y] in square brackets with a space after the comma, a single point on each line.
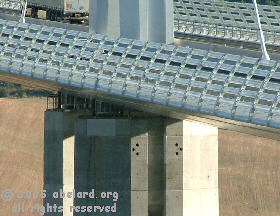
[10, 5]
[58, 9]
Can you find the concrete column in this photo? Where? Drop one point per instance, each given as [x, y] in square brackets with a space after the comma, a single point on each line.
[136, 19]
[104, 17]
[68, 174]
[191, 169]
[119, 156]
[102, 164]
[161, 21]
[147, 167]
[58, 160]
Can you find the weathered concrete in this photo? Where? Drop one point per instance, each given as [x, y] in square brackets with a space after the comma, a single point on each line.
[126, 157]
[58, 150]
[191, 169]
[137, 19]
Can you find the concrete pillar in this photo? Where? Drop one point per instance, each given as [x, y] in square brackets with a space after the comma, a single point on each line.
[136, 19]
[58, 160]
[191, 169]
[122, 156]
[147, 167]
[161, 21]
[68, 174]
[104, 17]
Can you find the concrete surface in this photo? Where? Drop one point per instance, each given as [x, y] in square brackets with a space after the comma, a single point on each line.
[147, 167]
[191, 169]
[123, 156]
[68, 173]
[102, 163]
[138, 19]
[58, 149]
[155, 166]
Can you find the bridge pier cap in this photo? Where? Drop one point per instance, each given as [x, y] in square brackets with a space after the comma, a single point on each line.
[136, 19]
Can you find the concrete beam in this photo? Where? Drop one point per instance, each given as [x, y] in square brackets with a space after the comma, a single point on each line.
[191, 169]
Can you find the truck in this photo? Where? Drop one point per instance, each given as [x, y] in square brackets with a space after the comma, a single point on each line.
[10, 5]
[57, 10]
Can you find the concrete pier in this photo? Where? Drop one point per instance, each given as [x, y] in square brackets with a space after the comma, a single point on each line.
[191, 169]
[147, 167]
[58, 169]
[118, 156]
[136, 19]
[102, 164]
[137, 166]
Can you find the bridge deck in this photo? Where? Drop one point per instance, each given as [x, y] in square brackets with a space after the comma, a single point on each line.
[218, 19]
[176, 79]
[225, 19]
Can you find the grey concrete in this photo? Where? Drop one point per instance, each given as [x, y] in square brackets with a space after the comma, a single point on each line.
[127, 158]
[102, 163]
[150, 165]
[191, 169]
[104, 17]
[138, 19]
[147, 167]
[58, 137]
[68, 174]
[161, 21]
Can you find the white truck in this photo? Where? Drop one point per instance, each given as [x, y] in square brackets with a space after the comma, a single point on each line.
[10, 4]
[58, 9]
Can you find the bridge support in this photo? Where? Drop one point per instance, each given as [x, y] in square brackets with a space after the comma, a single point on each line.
[58, 157]
[136, 166]
[191, 169]
[124, 158]
[136, 19]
